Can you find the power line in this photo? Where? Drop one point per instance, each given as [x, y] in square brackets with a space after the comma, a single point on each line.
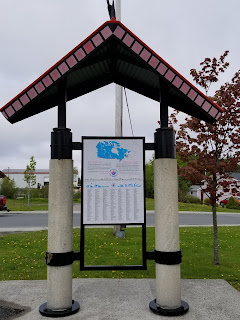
[129, 116]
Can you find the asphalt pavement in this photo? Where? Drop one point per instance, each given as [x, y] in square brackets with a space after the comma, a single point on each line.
[38, 220]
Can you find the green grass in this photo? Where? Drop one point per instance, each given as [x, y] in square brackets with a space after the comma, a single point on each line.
[191, 207]
[36, 204]
[21, 204]
[42, 204]
[22, 255]
[203, 208]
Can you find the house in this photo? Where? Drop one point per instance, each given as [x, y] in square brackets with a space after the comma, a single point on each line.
[196, 191]
[234, 188]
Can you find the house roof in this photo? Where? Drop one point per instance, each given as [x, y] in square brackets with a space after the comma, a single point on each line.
[112, 53]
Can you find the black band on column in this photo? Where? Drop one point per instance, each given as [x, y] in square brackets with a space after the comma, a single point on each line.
[165, 146]
[59, 259]
[61, 144]
[168, 258]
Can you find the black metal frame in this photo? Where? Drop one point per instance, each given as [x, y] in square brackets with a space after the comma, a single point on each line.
[143, 266]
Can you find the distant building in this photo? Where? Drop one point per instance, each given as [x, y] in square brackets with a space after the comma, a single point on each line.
[234, 188]
[196, 191]
[42, 177]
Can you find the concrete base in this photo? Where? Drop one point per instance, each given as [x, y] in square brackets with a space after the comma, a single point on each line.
[128, 299]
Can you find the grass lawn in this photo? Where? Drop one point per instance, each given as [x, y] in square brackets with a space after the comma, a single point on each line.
[36, 204]
[21, 204]
[203, 208]
[42, 204]
[192, 207]
[22, 255]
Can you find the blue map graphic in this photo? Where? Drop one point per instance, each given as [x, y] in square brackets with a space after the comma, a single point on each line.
[111, 150]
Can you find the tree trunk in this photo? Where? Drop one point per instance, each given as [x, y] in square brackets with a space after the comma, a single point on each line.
[215, 236]
[28, 197]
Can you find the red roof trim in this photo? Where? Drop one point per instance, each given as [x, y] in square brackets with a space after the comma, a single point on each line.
[85, 41]
[56, 64]
[177, 73]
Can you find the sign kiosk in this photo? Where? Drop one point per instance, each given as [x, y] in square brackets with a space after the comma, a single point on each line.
[113, 189]
[112, 53]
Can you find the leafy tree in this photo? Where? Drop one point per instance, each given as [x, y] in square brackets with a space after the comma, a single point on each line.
[75, 170]
[183, 184]
[212, 150]
[29, 176]
[8, 188]
[149, 174]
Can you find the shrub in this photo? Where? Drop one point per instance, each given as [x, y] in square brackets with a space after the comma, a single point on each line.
[192, 199]
[207, 201]
[232, 204]
[182, 196]
[8, 188]
[77, 195]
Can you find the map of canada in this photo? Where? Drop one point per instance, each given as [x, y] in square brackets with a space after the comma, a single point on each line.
[111, 150]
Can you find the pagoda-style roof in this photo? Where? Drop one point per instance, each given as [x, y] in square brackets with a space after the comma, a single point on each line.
[112, 53]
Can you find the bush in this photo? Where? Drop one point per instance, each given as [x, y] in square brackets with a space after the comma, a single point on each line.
[77, 195]
[8, 188]
[192, 199]
[182, 196]
[35, 192]
[232, 204]
[207, 201]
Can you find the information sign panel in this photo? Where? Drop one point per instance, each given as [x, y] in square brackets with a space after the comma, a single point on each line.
[113, 180]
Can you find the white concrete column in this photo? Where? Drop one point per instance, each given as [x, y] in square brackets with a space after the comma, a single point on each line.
[60, 232]
[168, 277]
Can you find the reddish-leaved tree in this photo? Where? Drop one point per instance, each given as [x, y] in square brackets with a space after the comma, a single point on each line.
[211, 151]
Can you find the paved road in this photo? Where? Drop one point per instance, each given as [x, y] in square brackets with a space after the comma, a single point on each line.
[39, 219]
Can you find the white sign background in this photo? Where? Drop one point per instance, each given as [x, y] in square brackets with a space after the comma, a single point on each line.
[113, 181]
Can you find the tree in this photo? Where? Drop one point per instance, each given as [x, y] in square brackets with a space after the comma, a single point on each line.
[212, 150]
[75, 170]
[183, 184]
[8, 188]
[149, 174]
[29, 176]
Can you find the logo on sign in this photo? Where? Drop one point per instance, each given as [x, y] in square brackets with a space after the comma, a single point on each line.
[113, 172]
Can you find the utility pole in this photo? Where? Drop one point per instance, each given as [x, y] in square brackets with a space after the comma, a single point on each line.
[118, 113]
[118, 89]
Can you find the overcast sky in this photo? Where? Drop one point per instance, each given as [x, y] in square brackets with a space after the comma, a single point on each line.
[34, 35]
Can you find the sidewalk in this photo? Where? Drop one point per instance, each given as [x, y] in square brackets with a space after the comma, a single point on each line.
[127, 299]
